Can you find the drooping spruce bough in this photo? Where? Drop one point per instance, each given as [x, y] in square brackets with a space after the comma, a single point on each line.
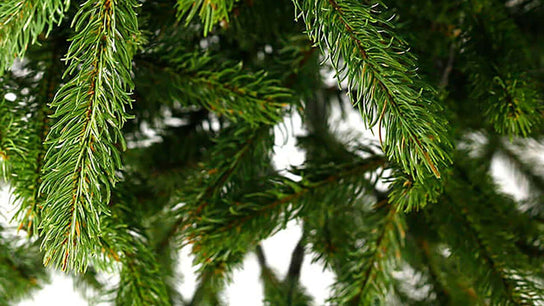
[448, 86]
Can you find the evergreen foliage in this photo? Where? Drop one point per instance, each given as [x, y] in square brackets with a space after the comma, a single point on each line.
[22, 22]
[410, 216]
[21, 269]
[82, 156]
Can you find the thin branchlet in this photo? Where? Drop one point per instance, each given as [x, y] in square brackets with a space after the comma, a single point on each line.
[83, 155]
[359, 41]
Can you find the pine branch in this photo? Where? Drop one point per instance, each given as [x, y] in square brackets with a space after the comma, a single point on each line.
[82, 158]
[22, 21]
[360, 290]
[502, 272]
[227, 90]
[497, 70]
[21, 271]
[408, 194]
[360, 240]
[210, 11]
[123, 241]
[140, 282]
[204, 177]
[254, 216]
[307, 187]
[497, 269]
[29, 168]
[218, 173]
[382, 75]
[380, 242]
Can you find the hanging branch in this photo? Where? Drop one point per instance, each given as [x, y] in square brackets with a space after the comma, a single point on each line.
[360, 240]
[140, 282]
[495, 267]
[359, 42]
[83, 156]
[21, 21]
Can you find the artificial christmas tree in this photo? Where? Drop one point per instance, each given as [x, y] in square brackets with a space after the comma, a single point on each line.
[447, 86]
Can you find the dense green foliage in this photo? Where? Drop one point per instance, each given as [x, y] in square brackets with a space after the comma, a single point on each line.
[448, 87]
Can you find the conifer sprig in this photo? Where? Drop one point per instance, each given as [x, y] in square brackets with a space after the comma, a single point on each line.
[230, 155]
[83, 154]
[497, 66]
[210, 11]
[408, 194]
[26, 174]
[226, 89]
[512, 283]
[361, 253]
[123, 241]
[359, 42]
[22, 21]
[364, 280]
[215, 236]
[501, 272]
[205, 177]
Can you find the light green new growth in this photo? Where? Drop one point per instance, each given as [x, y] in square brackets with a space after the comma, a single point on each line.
[84, 143]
